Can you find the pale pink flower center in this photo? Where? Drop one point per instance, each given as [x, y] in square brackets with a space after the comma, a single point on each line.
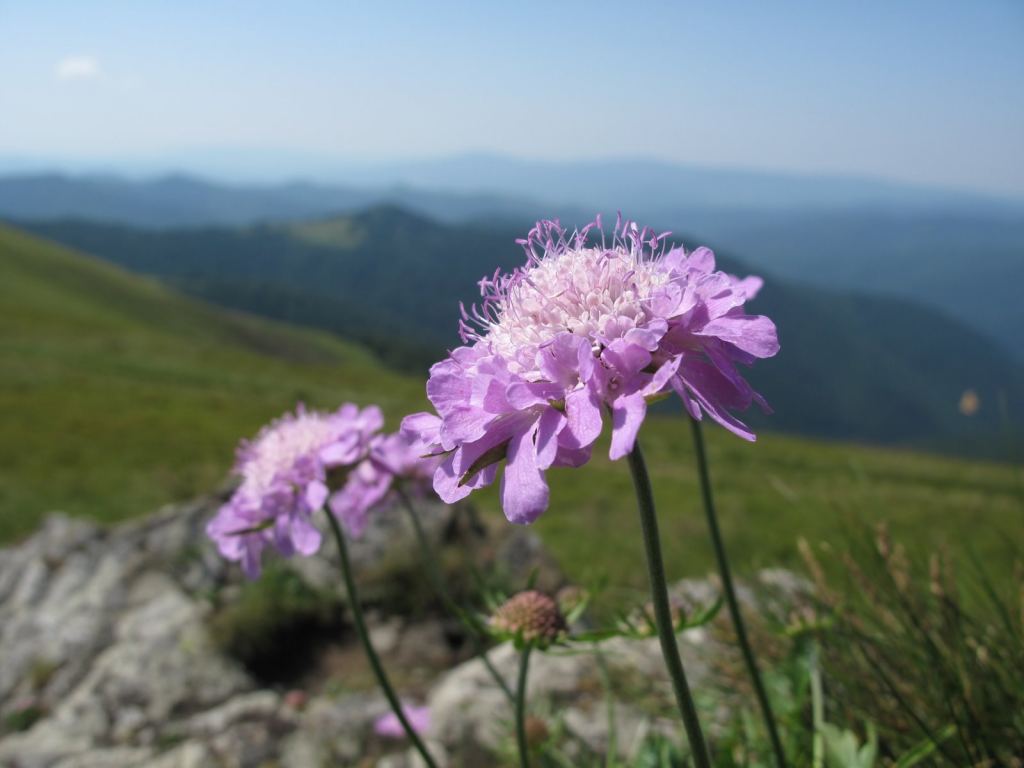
[585, 291]
[282, 447]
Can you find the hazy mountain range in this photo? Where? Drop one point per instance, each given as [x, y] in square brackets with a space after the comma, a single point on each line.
[959, 253]
[651, 185]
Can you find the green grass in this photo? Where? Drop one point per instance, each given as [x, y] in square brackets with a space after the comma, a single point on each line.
[119, 396]
[772, 492]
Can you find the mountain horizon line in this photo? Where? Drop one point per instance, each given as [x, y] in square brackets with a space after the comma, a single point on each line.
[505, 174]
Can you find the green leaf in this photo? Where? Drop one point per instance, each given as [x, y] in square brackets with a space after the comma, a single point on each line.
[597, 635]
[703, 616]
[254, 529]
[924, 749]
[491, 456]
[844, 749]
[658, 397]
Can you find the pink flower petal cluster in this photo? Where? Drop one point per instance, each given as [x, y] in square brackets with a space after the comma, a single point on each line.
[585, 328]
[301, 462]
[388, 725]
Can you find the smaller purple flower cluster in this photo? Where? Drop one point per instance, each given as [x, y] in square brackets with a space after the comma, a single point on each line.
[298, 464]
[585, 327]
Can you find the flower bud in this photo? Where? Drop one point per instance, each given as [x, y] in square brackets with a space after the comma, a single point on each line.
[531, 617]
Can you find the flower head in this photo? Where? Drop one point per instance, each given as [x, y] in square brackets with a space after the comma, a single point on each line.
[288, 472]
[389, 726]
[530, 617]
[585, 325]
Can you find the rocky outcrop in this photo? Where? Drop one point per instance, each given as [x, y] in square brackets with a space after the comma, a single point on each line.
[108, 659]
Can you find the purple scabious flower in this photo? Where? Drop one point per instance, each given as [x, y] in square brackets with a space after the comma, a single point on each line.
[288, 473]
[389, 459]
[388, 725]
[585, 326]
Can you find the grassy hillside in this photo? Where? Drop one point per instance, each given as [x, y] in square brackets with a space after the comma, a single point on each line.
[119, 396]
[773, 491]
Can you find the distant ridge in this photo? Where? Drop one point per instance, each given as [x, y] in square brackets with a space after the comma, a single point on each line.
[663, 189]
[181, 200]
[599, 183]
[959, 253]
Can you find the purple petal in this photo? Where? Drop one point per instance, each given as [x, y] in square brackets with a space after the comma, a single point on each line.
[372, 418]
[342, 452]
[667, 301]
[282, 534]
[627, 359]
[646, 338]
[549, 426]
[464, 424]
[723, 417]
[493, 394]
[750, 286]
[689, 404]
[583, 413]
[316, 495]
[701, 260]
[660, 380]
[526, 394]
[422, 427]
[675, 259]
[222, 529]
[448, 389]
[446, 482]
[524, 494]
[450, 482]
[251, 559]
[716, 393]
[627, 416]
[352, 516]
[725, 387]
[572, 457]
[718, 294]
[305, 537]
[755, 334]
[566, 359]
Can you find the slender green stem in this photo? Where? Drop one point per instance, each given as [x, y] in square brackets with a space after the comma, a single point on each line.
[364, 636]
[817, 713]
[524, 748]
[730, 595]
[433, 568]
[662, 614]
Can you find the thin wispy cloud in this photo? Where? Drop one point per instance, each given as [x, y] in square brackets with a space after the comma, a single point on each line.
[77, 68]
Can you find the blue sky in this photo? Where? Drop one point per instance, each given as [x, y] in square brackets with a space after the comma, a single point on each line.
[928, 92]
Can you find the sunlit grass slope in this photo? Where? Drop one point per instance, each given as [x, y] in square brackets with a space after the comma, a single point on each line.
[118, 396]
[774, 491]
